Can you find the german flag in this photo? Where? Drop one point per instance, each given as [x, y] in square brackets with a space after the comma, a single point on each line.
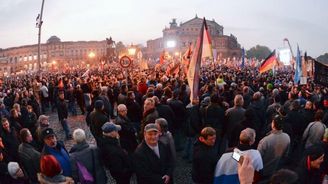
[269, 62]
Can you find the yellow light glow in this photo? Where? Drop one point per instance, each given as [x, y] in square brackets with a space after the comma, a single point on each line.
[132, 51]
[92, 55]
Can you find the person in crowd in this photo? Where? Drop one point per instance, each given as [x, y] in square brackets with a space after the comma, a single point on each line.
[179, 111]
[152, 159]
[214, 117]
[284, 176]
[114, 158]
[308, 112]
[63, 114]
[87, 155]
[56, 149]
[205, 157]
[51, 171]
[227, 168]
[166, 136]
[10, 139]
[314, 131]
[97, 119]
[10, 172]
[164, 111]
[274, 148]
[309, 166]
[28, 155]
[150, 114]
[44, 97]
[78, 94]
[128, 138]
[192, 128]
[235, 114]
[134, 110]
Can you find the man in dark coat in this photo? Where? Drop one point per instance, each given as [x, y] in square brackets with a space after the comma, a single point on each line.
[10, 139]
[150, 114]
[165, 111]
[134, 110]
[29, 156]
[115, 159]
[63, 114]
[97, 120]
[128, 136]
[153, 160]
[180, 119]
[205, 157]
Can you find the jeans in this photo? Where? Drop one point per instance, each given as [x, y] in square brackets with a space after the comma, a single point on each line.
[63, 122]
[87, 99]
[71, 108]
[189, 146]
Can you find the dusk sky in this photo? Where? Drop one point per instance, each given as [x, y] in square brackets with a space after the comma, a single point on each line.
[264, 22]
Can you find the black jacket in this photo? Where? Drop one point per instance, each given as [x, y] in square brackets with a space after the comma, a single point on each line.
[134, 111]
[203, 163]
[128, 138]
[115, 159]
[166, 112]
[149, 168]
[98, 119]
[62, 109]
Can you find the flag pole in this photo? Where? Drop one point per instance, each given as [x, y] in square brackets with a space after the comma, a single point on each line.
[39, 24]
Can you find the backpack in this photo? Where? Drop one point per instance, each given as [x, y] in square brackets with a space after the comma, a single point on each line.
[85, 176]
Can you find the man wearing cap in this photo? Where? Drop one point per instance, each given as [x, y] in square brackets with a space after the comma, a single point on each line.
[153, 160]
[115, 159]
[57, 149]
[97, 119]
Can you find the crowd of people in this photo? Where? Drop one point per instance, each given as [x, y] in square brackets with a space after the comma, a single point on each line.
[140, 122]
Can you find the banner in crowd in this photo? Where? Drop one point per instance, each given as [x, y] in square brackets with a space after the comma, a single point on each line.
[298, 69]
[320, 73]
[202, 49]
[269, 62]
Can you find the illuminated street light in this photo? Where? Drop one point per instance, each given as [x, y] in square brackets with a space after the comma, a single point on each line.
[132, 51]
[54, 62]
[92, 55]
[176, 53]
[171, 44]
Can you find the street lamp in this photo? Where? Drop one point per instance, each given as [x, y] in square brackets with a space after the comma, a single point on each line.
[132, 51]
[92, 55]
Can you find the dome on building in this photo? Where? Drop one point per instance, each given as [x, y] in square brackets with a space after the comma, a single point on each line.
[53, 39]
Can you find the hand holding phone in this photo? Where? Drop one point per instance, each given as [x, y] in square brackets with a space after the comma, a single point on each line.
[238, 156]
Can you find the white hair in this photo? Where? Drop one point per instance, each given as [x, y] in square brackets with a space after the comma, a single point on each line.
[79, 135]
[121, 107]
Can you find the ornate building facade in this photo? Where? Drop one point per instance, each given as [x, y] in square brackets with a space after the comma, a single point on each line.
[177, 39]
[54, 54]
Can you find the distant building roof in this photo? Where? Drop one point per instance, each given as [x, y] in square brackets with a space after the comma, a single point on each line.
[53, 39]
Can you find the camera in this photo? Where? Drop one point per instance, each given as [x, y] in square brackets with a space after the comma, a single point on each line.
[238, 156]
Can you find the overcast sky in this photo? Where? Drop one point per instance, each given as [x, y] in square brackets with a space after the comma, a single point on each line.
[264, 22]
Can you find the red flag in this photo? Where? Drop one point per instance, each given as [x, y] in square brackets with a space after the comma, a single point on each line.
[61, 84]
[269, 62]
[162, 58]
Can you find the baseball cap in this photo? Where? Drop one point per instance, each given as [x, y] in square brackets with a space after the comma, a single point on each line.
[47, 132]
[109, 127]
[151, 127]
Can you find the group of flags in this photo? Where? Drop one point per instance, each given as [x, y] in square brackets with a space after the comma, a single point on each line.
[271, 62]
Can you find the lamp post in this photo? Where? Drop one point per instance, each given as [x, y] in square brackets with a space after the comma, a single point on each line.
[39, 25]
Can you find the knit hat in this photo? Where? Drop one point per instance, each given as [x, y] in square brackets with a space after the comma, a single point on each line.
[13, 167]
[49, 166]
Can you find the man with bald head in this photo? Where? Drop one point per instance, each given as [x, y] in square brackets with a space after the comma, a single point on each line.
[128, 136]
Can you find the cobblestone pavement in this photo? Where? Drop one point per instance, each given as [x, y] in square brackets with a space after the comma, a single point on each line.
[182, 173]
